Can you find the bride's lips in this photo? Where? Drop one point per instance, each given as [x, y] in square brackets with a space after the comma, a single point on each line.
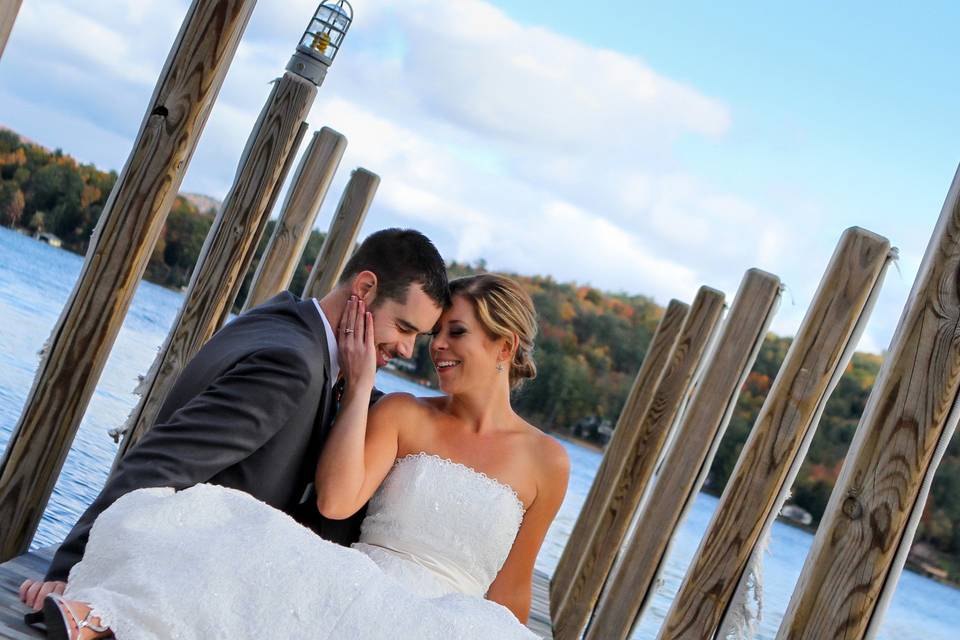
[445, 365]
[383, 357]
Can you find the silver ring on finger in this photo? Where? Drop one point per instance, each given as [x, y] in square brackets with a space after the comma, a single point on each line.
[348, 331]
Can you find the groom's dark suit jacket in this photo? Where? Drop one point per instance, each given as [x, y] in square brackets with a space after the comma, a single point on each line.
[250, 411]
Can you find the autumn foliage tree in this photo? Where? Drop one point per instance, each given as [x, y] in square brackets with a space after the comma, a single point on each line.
[588, 351]
[42, 190]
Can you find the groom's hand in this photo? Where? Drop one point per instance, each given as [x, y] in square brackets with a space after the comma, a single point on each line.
[33, 592]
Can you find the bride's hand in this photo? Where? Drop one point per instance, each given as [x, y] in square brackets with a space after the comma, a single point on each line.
[355, 344]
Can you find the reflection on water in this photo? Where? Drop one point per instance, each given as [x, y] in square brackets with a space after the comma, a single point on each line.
[35, 281]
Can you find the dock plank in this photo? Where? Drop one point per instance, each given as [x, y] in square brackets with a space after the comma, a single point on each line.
[33, 564]
[12, 575]
[539, 621]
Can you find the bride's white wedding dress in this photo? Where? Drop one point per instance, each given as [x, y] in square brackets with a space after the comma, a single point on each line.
[209, 562]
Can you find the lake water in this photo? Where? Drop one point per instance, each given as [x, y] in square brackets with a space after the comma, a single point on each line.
[35, 281]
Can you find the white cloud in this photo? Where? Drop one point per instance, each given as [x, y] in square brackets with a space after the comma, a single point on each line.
[616, 257]
[471, 64]
[503, 141]
[80, 40]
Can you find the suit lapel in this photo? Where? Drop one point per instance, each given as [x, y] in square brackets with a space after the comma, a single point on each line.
[340, 531]
[328, 402]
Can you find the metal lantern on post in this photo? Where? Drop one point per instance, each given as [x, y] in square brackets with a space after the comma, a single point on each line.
[321, 40]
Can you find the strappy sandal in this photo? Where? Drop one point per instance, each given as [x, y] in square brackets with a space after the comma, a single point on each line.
[62, 621]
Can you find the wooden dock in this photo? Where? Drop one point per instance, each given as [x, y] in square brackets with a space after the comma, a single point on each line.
[33, 564]
[539, 621]
[12, 575]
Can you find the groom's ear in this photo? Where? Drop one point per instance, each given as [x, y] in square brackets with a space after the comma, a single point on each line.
[364, 286]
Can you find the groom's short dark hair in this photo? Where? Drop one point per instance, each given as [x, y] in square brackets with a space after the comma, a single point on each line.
[399, 258]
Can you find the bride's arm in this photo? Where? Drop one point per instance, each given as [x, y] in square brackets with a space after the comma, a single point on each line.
[514, 584]
[360, 448]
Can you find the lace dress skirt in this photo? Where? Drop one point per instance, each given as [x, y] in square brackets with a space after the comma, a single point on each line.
[210, 562]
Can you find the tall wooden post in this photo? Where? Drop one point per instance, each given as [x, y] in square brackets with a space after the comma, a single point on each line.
[124, 238]
[8, 15]
[860, 546]
[618, 450]
[290, 236]
[271, 202]
[342, 234]
[685, 468]
[781, 435]
[598, 558]
[229, 246]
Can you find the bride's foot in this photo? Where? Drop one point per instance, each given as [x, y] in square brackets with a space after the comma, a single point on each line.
[71, 620]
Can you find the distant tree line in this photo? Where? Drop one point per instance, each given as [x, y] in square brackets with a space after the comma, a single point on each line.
[47, 191]
[590, 344]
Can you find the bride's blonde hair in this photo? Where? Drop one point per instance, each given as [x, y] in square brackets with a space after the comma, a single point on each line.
[506, 311]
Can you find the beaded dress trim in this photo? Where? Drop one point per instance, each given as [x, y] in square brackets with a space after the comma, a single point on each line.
[459, 465]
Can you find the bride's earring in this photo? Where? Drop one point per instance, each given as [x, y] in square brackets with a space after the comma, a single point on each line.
[499, 367]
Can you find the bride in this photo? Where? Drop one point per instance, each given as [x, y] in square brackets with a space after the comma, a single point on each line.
[461, 489]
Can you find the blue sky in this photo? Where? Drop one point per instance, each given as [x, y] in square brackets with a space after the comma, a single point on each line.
[644, 147]
[851, 102]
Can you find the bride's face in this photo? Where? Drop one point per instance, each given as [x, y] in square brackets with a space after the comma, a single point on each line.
[463, 353]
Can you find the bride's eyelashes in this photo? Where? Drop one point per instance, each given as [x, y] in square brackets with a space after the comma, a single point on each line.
[453, 333]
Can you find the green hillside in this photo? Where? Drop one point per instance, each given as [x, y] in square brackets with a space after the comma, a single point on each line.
[590, 346]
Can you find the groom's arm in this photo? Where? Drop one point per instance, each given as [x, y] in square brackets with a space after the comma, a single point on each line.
[234, 416]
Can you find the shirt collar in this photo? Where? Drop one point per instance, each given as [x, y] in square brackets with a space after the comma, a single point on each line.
[331, 343]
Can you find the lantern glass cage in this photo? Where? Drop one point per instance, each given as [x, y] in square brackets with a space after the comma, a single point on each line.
[326, 30]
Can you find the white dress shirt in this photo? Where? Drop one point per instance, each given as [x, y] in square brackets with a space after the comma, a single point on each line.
[331, 345]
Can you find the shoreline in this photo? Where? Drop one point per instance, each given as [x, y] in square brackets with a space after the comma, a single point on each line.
[586, 444]
[562, 435]
[908, 566]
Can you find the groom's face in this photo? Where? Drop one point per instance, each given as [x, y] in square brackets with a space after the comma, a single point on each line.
[396, 325]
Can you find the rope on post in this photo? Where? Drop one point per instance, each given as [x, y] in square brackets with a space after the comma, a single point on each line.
[633, 579]
[870, 520]
[780, 436]
[229, 247]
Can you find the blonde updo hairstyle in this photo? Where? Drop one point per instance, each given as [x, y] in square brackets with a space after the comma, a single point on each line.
[505, 310]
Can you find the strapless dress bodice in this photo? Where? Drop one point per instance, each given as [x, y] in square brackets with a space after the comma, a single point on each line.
[440, 526]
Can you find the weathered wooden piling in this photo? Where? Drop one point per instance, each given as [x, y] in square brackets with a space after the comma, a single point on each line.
[307, 192]
[271, 201]
[342, 234]
[698, 327]
[8, 15]
[781, 435]
[229, 247]
[870, 520]
[126, 233]
[618, 449]
[685, 467]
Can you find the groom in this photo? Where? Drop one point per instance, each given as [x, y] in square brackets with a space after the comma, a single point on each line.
[253, 408]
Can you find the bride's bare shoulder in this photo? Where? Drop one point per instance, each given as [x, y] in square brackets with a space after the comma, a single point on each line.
[398, 405]
[552, 461]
